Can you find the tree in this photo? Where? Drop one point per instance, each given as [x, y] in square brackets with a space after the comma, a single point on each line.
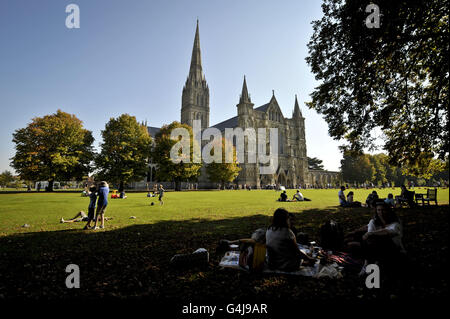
[6, 178]
[379, 164]
[442, 176]
[394, 78]
[315, 163]
[223, 172]
[357, 169]
[125, 151]
[53, 147]
[168, 170]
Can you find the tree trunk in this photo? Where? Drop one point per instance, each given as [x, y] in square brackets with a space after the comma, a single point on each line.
[50, 186]
[177, 186]
[121, 187]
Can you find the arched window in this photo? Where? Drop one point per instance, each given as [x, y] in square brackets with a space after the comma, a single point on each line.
[280, 143]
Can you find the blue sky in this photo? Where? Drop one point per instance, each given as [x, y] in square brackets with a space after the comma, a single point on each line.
[133, 57]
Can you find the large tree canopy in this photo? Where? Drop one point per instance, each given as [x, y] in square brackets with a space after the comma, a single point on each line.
[223, 172]
[125, 151]
[394, 78]
[53, 147]
[362, 168]
[357, 168]
[168, 170]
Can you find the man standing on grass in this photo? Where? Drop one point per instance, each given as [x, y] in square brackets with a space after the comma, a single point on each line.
[91, 209]
[102, 202]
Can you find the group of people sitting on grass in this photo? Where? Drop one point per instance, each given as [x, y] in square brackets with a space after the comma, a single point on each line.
[380, 241]
[373, 198]
[98, 198]
[298, 197]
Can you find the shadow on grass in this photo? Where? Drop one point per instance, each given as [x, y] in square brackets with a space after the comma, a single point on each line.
[133, 261]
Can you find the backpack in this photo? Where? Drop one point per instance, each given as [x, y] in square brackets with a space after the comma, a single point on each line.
[331, 235]
[252, 256]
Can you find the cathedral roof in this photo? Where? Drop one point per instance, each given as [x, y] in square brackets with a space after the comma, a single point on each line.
[263, 108]
[230, 123]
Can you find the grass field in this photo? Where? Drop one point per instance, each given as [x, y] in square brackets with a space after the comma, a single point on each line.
[42, 211]
[130, 258]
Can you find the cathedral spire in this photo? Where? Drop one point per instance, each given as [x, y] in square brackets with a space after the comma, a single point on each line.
[195, 71]
[297, 113]
[245, 97]
[195, 96]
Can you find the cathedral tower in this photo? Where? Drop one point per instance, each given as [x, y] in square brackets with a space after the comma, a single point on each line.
[300, 153]
[195, 97]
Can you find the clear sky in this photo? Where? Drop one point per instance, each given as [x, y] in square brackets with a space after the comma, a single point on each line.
[133, 57]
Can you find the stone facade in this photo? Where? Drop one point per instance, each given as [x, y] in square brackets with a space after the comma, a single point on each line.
[292, 170]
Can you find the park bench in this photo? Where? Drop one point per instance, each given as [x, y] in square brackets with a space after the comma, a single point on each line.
[430, 196]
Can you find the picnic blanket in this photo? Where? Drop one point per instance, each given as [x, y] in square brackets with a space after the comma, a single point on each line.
[333, 270]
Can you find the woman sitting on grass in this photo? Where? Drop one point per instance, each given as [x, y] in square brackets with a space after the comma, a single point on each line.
[381, 240]
[283, 252]
[283, 197]
[351, 202]
[372, 199]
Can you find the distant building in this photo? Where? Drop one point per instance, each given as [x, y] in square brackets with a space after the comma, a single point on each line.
[292, 170]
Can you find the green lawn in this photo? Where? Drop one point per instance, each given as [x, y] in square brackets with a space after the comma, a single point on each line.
[130, 258]
[43, 211]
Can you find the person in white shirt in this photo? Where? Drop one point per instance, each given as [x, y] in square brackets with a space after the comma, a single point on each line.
[341, 195]
[299, 197]
[385, 226]
[381, 239]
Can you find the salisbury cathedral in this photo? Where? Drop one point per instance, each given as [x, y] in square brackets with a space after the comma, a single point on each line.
[292, 170]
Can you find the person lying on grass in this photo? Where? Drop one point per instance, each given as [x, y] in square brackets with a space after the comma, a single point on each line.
[80, 217]
[282, 249]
